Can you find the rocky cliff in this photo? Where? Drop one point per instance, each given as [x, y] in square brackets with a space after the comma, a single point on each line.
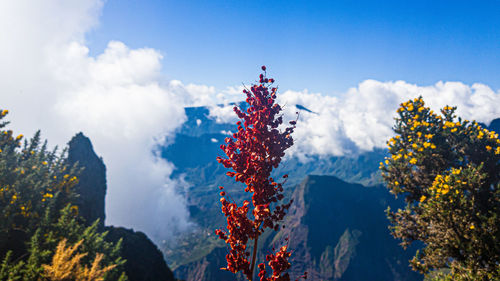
[92, 179]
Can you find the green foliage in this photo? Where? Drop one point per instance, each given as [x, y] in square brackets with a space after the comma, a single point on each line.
[448, 169]
[32, 179]
[37, 211]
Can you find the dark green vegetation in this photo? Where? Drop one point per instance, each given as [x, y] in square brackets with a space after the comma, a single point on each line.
[38, 211]
[47, 197]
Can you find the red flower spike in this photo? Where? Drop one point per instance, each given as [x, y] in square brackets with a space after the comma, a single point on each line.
[252, 153]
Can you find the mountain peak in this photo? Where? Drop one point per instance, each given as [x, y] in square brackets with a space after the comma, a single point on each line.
[91, 181]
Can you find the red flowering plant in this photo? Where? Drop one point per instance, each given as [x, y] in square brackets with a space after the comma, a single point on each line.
[252, 153]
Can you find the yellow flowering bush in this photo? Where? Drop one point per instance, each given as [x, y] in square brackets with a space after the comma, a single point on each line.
[448, 170]
[37, 212]
[32, 178]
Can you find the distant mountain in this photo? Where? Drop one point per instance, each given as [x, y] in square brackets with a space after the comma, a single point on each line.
[337, 231]
[495, 125]
[197, 144]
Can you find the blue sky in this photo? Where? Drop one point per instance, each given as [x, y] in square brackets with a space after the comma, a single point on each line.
[324, 46]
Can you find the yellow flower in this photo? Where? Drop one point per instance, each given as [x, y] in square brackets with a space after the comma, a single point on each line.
[422, 199]
[448, 124]
[472, 226]
[488, 147]
[44, 163]
[48, 195]
[396, 183]
[433, 146]
[4, 112]
[453, 130]
[19, 137]
[413, 161]
[396, 156]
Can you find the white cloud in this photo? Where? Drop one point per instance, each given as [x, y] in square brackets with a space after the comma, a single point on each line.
[363, 117]
[223, 113]
[50, 82]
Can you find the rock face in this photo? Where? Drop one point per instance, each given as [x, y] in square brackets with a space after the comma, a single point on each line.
[339, 231]
[92, 180]
[144, 261]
